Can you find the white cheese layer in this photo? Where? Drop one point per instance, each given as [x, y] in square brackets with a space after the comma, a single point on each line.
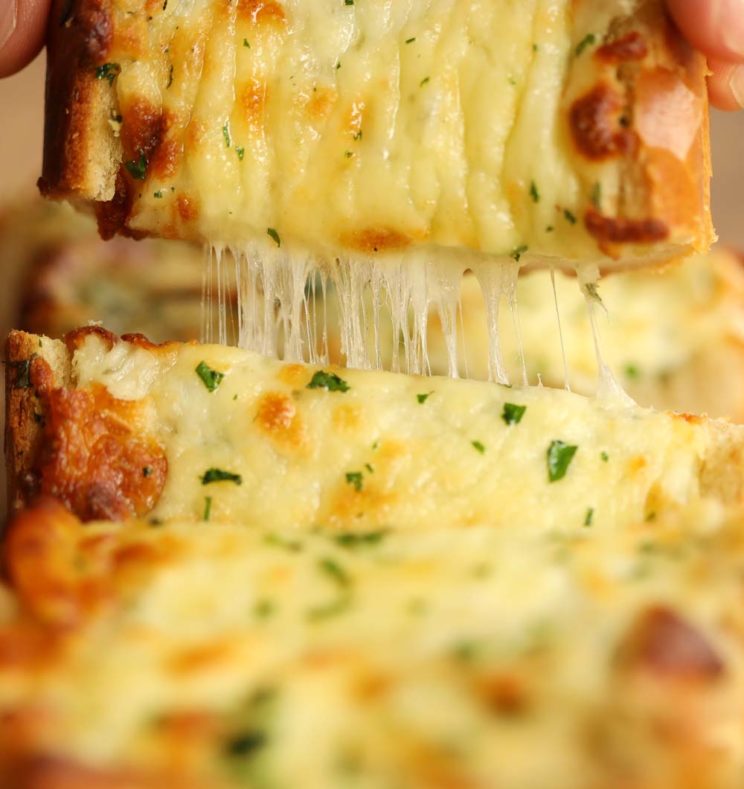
[306, 447]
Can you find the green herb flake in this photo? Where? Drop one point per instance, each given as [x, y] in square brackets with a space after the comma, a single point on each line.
[108, 71]
[246, 44]
[479, 447]
[570, 216]
[240, 151]
[516, 254]
[22, 374]
[424, 81]
[589, 517]
[355, 479]
[369, 468]
[549, 229]
[170, 77]
[245, 744]
[274, 235]
[328, 381]
[632, 372]
[353, 540]
[207, 508]
[334, 571]
[597, 196]
[328, 610]
[357, 135]
[137, 168]
[348, 2]
[348, 154]
[512, 413]
[293, 546]
[226, 134]
[465, 651]
[591, 291]
[210, 378]
[604, 456]
[410, 40]
[422, 398]
[589, 40]
[158, 195]
[147, 471]
[219, 475]
[534, 192]
[559, 456]
[264, 609]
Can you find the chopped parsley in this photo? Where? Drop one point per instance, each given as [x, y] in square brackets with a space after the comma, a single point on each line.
[591, 290]
[424, 81]
[147, 471]
[158, 194]
[605, 457]
[589, 40]
[329, 381]
[357, 135]
[369, 468]
[240, 151]
[245, 744]
[478, 446]
[219, 475]
[23, 374]
[108, 71]
[355, 479]
[170, 77]
[422, 398]
[512, 413]
[246, 44]
[210, 378]
[293, 546]
[589, 517]
[271, 232]
[360, 539]
[334, 571]
[559, 456]
[632, 372]
[597, 196]
[207, 508]
[534, 192]
[348, 2]
[410, 40]
[517, 253]
[329, 609]
[137, 168]
[348, 154]
[570, 216]
[264, 609]
[226, 134]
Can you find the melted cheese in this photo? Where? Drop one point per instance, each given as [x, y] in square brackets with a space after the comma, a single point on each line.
[241, 655]
[392, 450]
[333, 128]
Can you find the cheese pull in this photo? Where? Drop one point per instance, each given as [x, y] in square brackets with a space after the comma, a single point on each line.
[564, 132]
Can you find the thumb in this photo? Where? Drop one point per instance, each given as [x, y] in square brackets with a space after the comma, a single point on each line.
[716, 27]
[22, 26]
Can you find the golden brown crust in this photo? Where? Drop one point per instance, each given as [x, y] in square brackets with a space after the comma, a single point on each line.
[83, 447]
[24, 420]
[648, 107]
[79, 149]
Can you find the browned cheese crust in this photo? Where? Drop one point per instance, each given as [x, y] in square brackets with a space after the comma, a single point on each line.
[83, 447]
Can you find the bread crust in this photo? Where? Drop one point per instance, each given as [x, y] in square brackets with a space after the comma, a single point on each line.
[635, 102]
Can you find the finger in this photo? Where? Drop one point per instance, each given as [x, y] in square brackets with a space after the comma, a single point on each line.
[22, 26]
[714, 26]
[726, 85]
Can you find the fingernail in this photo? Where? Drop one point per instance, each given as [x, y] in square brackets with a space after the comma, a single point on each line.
[729, 24]
[736, 83]
[8, 20]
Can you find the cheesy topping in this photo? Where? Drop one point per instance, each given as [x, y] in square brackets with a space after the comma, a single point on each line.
[302, 447]
[503, 130]
[242, 655]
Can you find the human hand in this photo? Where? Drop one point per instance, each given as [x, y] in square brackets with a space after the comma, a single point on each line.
[716, 27]
[22, 28]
